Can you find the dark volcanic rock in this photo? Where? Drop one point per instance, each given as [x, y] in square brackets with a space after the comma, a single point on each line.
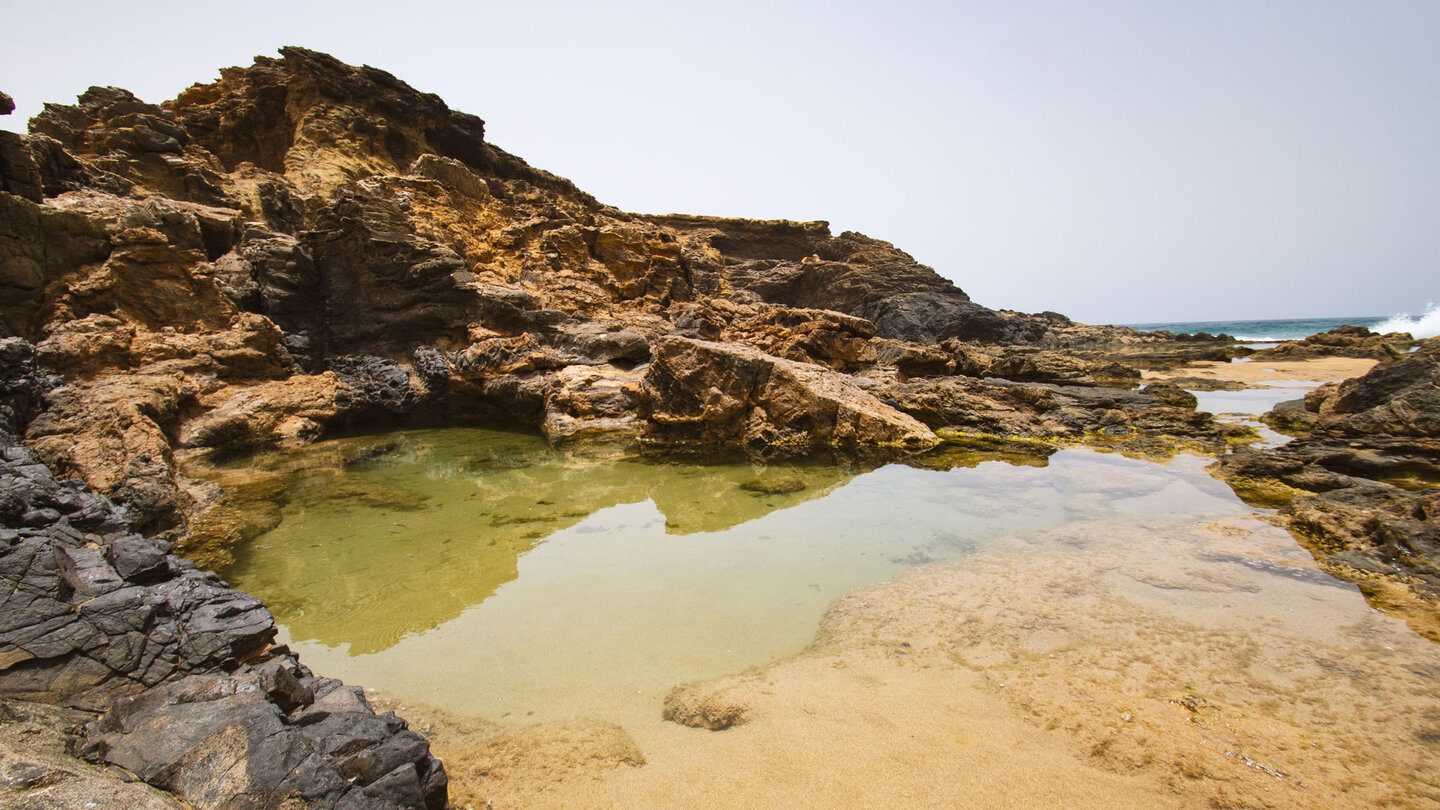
[274, 275]
[384, 288]
[96, 616]
[374, 388]
[37, 771]
[92, 610]
[22, 386]
[292, 735]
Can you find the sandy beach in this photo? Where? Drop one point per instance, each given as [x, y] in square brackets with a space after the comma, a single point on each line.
[1262, 373]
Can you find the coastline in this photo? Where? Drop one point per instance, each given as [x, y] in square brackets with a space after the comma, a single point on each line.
[247, 272]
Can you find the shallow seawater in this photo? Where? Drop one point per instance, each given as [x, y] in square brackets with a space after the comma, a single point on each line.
[1245, 406]
[1251, 401]
[485, 573]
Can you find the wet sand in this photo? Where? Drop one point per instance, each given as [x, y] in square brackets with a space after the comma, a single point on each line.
[1269, 372]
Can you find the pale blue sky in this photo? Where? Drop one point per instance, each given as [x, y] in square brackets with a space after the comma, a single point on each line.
[1117, 161]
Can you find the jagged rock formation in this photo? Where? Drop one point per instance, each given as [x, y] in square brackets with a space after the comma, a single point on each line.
[303, 245]
[1342, 341]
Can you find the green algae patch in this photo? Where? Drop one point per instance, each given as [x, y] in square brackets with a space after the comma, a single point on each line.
[959, 450]
[995, 441]
[1262, 493]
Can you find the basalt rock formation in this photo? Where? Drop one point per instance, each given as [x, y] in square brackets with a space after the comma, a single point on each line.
[303, 246]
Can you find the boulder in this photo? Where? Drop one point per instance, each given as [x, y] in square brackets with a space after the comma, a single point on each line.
[700, 394]
[265, 736]
[1038, 365]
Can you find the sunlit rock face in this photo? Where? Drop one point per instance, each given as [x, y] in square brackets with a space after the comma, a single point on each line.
[303, 245]
[303, 248]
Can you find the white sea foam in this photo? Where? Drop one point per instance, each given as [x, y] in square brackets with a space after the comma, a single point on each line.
[1425, 326]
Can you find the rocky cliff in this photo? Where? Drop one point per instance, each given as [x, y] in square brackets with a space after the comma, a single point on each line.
[304, 246]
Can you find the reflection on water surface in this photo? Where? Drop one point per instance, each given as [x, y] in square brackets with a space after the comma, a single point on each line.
[486, 573]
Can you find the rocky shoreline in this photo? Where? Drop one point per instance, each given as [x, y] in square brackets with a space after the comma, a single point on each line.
[1357, 484]
[304, 247]
[166, 675]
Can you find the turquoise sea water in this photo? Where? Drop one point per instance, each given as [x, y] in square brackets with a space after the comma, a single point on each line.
[1420, 326]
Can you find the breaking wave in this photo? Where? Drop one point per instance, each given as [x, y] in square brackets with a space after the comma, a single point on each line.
[1424, 326]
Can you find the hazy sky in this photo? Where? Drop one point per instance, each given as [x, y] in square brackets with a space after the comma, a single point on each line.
[1136, 161]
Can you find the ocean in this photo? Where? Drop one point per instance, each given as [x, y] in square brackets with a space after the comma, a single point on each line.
[1421, 326]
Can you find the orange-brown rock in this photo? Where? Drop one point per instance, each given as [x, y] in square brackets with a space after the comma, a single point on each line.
[1342, 341]
[303, 245]
[705, 395]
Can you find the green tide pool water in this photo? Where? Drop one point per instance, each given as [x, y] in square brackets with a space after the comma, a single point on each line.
[486, 573]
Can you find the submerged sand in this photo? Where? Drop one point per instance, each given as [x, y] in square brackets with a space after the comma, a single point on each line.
[1148, 661]
[1098, 665]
